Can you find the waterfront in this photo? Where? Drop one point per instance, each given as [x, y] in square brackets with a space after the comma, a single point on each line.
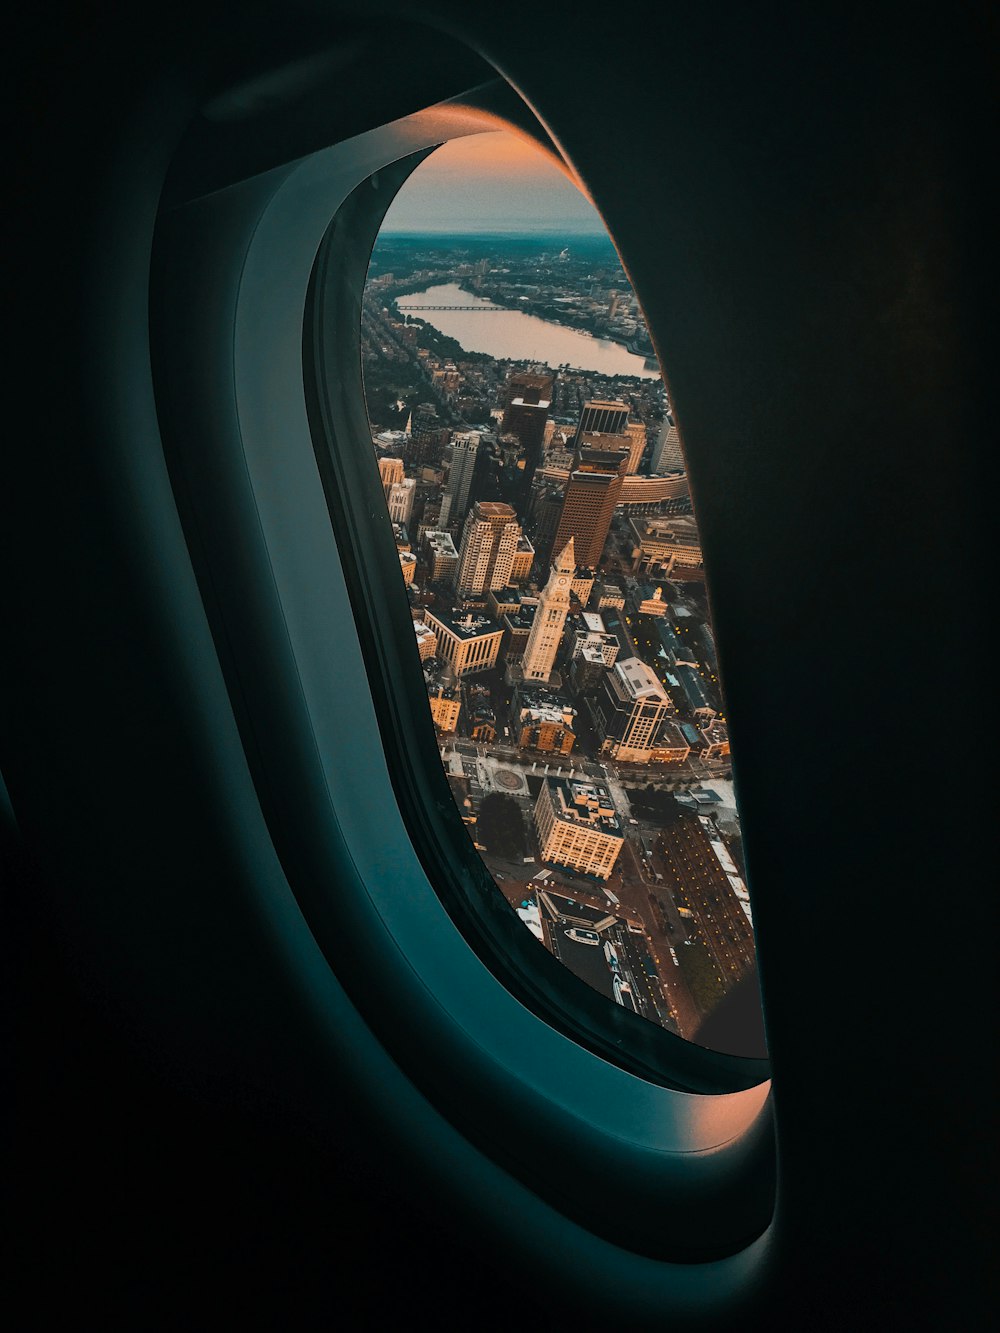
[513, 335]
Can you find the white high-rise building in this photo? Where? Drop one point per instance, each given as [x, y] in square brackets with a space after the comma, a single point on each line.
[399, 497]
[632, 707]
[455, 501]
[489, 545]
[667, 456]
[550, 617]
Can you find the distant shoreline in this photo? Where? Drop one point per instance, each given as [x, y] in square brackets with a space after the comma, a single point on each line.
[542, 237]
[554, 325]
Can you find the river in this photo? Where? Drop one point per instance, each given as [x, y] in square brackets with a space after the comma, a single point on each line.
[513, 335]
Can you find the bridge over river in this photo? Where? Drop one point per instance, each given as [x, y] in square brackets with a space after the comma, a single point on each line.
[479, 309]
[519, 336]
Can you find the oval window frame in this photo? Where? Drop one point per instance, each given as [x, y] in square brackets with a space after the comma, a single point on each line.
[258, 275]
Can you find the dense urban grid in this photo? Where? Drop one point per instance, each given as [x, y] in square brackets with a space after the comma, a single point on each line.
[553, 566]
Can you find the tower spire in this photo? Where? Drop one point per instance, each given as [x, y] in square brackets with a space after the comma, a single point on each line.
[565, 561]
[550, 617]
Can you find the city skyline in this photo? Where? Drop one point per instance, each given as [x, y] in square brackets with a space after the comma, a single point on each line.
[559, 609]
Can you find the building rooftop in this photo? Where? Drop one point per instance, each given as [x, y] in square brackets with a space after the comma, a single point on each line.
[467, 626]
[522, 619]
[494, 509]
[592, 652]
[605, 402]
[507, 596]
[676, 529]
[637, 680]
[539, 699]
[692, 686]
[438, 674]
[670, 736]
[559, 717]
[583, 802]
[441, 542]
[715, 732]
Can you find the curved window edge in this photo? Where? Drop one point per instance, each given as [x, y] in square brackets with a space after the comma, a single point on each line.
[336, 405]
[540, 1104]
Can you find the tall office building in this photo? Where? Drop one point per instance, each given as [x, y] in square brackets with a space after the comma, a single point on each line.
[631, 709]
[526, 411]
[529, 397]
[636, 433]
[468, 644]
[633, 441]
[589, 501]
[550, 616]
[578, 826]
[607, 416]
[667, 455]
[399, 497]
[427, 434]
[391, 471]
[440, 556]
[455, 501]
[524, 558]
[480, 270]
[605, 425]
[489, 544]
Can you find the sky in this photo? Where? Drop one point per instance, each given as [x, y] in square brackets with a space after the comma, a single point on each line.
[492, 182]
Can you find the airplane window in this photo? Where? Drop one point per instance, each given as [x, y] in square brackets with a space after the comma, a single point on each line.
[533, 473]
[264, 338]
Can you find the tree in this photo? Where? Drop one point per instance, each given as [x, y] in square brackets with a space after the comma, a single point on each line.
[698, 971]
[500, 828]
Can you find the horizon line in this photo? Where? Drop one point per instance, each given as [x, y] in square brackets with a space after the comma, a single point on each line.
[510, 231]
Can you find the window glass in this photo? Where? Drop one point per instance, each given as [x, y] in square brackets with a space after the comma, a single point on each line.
[533, 472]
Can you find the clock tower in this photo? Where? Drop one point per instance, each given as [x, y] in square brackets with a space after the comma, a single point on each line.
[550, 616]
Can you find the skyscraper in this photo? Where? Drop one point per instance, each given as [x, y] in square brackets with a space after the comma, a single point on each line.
[601, 414]
[636, 433]
[489, 544]
[399, 497]
[391, 471]
[589, 502]
[631, 709]
[667, 455]
[529, 397]
[454, 503]
[427, 435]
[550, 616]
[632, 440]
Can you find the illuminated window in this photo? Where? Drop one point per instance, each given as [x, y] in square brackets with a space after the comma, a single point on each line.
[534, 476]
